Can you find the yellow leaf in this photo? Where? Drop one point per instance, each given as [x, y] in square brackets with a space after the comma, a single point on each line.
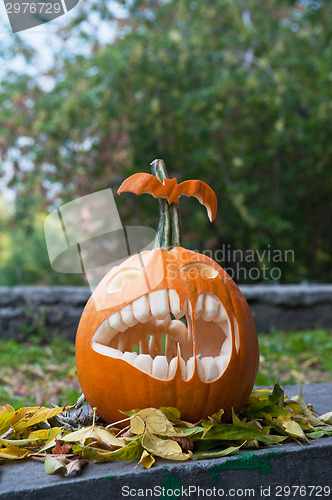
[293, 429]
[39, 415]
[96, 433]
[3, 409]
[45, 434]
[33, 439]
[5, 421]
[165, 448]
[152, 420]
[13, 453]
[50, 442]
[326, 418]
[146, 460]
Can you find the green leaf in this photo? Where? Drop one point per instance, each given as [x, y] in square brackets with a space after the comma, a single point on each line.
[277, 397]
[173, 414]
[320, 434]
[228, 432]
[232, 450]
[131, 452]
[54, 465]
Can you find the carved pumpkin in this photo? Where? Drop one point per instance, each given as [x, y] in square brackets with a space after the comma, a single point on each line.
[168, 327]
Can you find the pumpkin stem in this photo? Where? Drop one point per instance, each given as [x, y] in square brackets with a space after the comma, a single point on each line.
[169, 227]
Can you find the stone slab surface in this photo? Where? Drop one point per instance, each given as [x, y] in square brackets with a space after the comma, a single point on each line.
[264, 473]
[53, 311]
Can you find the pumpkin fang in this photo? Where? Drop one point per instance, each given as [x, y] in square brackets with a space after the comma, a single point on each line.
[153, 323]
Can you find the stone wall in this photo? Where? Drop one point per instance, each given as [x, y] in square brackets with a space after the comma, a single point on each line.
[52, 311]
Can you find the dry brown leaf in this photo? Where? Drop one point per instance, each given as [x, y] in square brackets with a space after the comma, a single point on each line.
[75, 466]
[185, 443]
[61, 449]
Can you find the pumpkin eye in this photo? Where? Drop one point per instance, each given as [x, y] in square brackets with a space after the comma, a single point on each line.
[196, 270]
[122, 278]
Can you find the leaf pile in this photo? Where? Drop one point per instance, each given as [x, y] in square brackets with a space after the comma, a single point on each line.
[65, 442]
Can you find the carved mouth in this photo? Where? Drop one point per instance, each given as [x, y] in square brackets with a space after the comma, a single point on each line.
[155, 336]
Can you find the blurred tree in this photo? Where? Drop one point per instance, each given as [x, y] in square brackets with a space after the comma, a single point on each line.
[237, 93]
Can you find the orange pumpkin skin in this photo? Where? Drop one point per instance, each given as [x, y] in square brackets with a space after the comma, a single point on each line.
[113, 384]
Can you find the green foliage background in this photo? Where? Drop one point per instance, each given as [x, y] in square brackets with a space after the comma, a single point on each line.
[236, 93]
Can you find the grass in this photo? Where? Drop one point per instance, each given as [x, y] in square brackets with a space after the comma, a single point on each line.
[35, 374]
[295, 357]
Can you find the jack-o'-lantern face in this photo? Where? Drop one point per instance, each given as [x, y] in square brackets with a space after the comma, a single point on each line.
[161, 320]
[167, 328]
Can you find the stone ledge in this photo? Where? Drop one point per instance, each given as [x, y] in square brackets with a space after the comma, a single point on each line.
[54, 311]
[288, 295]
[285, 465]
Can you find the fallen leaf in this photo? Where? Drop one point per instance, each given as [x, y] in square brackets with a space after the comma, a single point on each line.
[173, 414]
[131, 452]
[228, 432]
[35, 416]
[153, 421]
[165, 448]
[60, 449]
[13, 453]
[185, 443]
[54, 464]
[232, 450]
[326, 418]
[146, 460]
[75, 466]
[97, 433]
[293, 429]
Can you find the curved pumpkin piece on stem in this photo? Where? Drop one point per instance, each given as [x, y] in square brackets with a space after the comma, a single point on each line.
[204, 194]
[170, 190]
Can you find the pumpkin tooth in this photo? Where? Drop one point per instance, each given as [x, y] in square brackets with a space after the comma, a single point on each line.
[155, 345]
[144, 363]
[191, 367]
[227, 344]
[141, 309]
[178, 330]
[106, 351]
[116, 322]
[210, 370]
[104, 333]
[160, 367]
[221, 362]
[129, 357]
[170, 347]
[222, 314]
[127, 315]
[123, 342]
[211, 306]
[199, 306]
[174, 304]
[173, 366]
[159, 304]
[144, 345]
